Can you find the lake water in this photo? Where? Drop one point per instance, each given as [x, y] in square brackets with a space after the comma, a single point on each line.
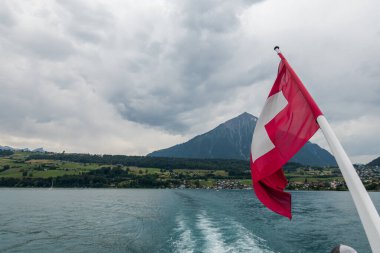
[133, 220]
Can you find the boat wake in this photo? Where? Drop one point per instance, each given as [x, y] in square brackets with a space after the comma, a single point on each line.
[208, 235]
[185, 242]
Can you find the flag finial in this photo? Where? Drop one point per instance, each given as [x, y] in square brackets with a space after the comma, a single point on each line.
[277, 49]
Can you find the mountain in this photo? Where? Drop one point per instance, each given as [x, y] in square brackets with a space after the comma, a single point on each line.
[39, 150]
[375, 162]
[6, 148]
[232, 140]
[22, 149]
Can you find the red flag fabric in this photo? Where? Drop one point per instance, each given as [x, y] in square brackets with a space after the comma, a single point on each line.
[287, 122]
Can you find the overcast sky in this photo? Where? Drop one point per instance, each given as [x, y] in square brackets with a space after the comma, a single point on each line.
[131, 77]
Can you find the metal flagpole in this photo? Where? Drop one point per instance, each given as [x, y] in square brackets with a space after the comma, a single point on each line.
[363, 203]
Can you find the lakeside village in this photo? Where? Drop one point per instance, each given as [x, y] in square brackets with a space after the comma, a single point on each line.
[369, 175]
[326, 179]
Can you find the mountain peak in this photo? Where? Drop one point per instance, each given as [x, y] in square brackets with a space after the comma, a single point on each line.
[241, 120]
[232, 140]
[246, 114]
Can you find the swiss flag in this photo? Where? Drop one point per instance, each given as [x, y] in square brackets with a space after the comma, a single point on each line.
[287, 122]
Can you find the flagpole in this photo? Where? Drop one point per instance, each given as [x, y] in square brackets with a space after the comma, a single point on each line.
[363, 203]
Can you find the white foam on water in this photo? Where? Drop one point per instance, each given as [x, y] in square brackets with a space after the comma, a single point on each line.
[247, 241]
[212, 235]
[185, 242]
[243, 240]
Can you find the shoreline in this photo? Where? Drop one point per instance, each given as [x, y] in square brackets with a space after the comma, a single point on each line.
[142, 188]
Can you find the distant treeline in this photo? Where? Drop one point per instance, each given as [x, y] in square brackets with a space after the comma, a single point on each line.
[232, 166]
[105, 177]
[102, 178]
[148, 162]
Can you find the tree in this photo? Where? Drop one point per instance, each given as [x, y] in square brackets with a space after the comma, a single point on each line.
[5, 167]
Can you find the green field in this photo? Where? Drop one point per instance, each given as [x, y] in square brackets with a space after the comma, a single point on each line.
[20, 167]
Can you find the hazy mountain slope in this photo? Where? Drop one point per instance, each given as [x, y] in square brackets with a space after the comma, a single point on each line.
[375, 162]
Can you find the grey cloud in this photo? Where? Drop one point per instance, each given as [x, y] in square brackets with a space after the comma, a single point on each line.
[89, 22]
[211, 16]
[210, 36]
[153, 116]
[47, 46]
[6, 17]
[39, 37]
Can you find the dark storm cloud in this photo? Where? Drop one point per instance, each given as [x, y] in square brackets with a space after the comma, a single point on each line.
[209, 36]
